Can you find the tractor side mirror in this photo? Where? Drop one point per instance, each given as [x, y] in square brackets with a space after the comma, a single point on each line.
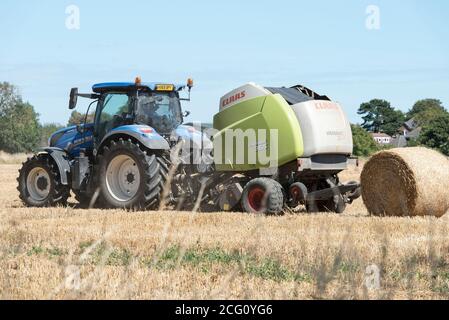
[73, 98]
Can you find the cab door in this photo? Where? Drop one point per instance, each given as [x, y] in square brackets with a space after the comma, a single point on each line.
[114, 110]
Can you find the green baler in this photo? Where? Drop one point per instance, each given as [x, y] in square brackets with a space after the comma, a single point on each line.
[260, 113]
[306, 137]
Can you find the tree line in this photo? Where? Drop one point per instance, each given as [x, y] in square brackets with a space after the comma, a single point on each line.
[21, 131]
[379, 116]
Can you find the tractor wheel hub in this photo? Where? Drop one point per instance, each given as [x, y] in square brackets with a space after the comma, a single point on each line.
[38, 184]
[42, 183]
[123, 178]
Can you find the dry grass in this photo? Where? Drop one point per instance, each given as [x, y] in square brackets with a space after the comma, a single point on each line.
[7, 158]
[406, 182]
[63, 253]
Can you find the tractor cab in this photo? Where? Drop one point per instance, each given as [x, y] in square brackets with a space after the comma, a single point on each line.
[120, 103]
[151, 107]
[150, 104]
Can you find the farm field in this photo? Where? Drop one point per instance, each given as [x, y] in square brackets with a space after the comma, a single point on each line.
[68, 253]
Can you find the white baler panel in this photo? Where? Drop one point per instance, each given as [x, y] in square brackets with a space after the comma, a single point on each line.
[325, 128]
[243, 93]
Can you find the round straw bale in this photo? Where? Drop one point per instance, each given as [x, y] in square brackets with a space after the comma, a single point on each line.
[406, 182]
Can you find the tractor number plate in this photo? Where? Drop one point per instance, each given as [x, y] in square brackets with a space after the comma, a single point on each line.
[164, 87]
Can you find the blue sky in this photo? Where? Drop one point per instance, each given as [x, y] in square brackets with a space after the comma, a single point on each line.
[324, 45]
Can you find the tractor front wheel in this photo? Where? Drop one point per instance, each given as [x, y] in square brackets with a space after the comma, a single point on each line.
[39, 183]
[129, 177]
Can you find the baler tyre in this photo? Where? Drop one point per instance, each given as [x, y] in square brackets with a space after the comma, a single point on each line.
[263, 196]
[40, 183]
[297, 194]
[129, 177]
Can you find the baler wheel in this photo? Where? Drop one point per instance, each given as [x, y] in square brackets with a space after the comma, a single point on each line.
[263, 196]
[298, 194]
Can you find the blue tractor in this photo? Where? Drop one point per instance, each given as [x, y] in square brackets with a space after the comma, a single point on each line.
[122, 159]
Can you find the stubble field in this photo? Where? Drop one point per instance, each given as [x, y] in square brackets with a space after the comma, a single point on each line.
[69, 253]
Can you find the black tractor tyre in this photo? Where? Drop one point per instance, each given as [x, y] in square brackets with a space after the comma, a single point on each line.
[40, 183]
[144, 173]
[263, 196]
[84, 201]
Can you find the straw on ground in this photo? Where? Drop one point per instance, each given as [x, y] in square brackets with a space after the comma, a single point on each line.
[84, 254]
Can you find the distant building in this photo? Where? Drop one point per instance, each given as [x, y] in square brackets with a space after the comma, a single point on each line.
[411, 129]
[414, 134]
[399, 141]
[410, 125]
[381, 138]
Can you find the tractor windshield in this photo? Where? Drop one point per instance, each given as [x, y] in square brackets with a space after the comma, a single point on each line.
[160, 110]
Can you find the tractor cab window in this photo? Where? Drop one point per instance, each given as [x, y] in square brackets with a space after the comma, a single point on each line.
[115, 110]
[162, 111]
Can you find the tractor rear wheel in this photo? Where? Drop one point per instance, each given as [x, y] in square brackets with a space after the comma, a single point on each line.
[129, 177]
[263, 196]
[40, 183]
[85, 201]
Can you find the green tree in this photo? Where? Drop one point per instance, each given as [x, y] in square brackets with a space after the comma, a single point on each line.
[379, 116]
[78, 118]
[8, 96]
[413, 142]
[19, 129]
[425, 111]
[19, 123]
[436, 134]
[46, 131]
[364, 144]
